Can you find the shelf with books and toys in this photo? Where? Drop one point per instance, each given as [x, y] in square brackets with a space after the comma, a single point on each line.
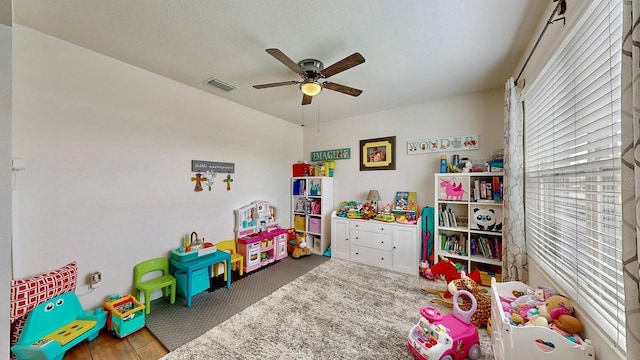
[311, 207]
[468, 229]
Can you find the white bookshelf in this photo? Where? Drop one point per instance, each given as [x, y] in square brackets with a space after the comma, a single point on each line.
[311, 207]
[468, 227]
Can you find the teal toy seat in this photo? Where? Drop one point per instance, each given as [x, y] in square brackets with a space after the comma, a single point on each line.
[55, 326]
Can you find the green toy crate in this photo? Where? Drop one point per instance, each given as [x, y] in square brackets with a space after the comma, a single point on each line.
[126, 315]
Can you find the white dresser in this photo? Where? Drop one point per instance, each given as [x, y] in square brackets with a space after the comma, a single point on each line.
[392, 246]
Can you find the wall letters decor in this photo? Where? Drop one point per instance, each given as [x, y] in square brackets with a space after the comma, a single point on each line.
[453, 143]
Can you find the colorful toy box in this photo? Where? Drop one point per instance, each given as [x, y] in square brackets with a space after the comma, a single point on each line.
[298, 223]
[301, 169]
[314, 225]
[126, 315]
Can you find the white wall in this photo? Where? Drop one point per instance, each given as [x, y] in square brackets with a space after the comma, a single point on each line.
[5, 186]
[108, 150]
[475, 114]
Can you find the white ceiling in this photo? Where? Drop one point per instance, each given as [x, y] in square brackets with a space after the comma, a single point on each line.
[415, 51]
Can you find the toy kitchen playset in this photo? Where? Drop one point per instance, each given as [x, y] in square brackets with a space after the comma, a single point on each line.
[260, 239]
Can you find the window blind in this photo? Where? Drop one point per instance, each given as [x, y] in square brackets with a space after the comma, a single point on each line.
[572, 152]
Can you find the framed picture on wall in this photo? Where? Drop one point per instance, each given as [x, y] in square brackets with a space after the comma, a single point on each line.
[378, 154]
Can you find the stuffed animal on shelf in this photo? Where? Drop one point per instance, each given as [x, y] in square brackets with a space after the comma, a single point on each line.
[300, 247]
[483, 312]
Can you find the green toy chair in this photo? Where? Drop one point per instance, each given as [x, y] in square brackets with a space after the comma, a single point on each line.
[165, 281]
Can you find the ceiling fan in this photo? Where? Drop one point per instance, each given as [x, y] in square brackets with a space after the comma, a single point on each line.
[312, 71]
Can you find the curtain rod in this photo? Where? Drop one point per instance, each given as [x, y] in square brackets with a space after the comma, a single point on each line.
[562, 6]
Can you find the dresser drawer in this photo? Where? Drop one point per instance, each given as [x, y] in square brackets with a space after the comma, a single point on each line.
[375, 257]
[371, 239]
[372, 226]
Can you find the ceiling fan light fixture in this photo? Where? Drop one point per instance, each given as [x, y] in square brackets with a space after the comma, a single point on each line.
[311, 87]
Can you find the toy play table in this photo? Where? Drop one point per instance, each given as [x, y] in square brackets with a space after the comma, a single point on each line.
[201, 262]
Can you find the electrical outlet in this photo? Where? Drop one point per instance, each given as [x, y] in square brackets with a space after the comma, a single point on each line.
[96, 278]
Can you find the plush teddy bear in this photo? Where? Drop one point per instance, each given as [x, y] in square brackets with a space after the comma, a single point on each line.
[483, 312]
[300, 248]
[368, 211]
[558, 310]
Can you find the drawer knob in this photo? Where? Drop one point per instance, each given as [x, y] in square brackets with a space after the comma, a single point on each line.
[381, 258]
[357, 253]
[382, 242]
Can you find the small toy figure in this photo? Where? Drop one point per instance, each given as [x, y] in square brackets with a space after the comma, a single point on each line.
[387, 209]
[228, 180]
[198, 179]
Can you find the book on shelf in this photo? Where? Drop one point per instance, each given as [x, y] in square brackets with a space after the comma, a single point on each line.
[488, 247]
[454, 244]
[446, 216]
[487, 190]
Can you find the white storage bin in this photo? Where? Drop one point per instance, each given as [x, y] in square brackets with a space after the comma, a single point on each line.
[520, 342]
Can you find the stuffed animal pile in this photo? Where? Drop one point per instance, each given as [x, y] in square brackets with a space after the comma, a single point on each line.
[543, 307]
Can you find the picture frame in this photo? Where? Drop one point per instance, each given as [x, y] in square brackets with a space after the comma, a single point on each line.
[378, 154]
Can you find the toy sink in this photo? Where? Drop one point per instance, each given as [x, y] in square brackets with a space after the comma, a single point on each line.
[183, 256]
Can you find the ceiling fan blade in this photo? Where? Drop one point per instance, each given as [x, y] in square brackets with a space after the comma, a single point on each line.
[342, 88]
[342, 65]
[262, 86]
[285, 60]
[306, 99]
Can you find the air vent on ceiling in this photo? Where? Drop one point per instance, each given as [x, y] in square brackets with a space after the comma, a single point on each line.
[220, 84]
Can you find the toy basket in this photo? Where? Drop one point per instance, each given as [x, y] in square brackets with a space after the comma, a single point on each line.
[125, 315]
[528, 342]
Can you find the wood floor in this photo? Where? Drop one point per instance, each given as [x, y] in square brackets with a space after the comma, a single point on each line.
[141, 345]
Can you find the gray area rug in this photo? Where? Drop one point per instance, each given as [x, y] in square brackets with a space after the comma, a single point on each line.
[175, 325]
[338, 310]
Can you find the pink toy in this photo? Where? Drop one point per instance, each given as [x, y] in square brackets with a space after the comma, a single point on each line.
[448, 337]
[454, 191]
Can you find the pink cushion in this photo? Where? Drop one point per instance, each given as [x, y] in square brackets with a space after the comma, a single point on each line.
[26, 294]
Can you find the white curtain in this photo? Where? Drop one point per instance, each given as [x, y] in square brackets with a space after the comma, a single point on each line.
[515, 260]
[631, 170]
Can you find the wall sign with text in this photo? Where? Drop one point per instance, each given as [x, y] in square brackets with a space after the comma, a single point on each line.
[454, 143]
[212, 166]
[336, 154]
